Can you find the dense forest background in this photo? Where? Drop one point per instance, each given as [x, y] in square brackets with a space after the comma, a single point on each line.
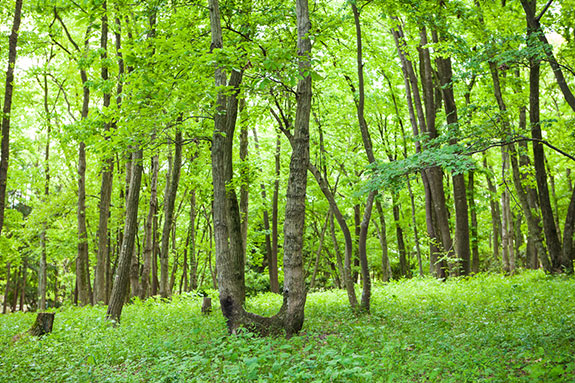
[440, 143]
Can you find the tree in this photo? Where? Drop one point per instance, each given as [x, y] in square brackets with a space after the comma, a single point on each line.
[7, 108]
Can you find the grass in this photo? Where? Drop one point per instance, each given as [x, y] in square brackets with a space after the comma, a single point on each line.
[488, 328]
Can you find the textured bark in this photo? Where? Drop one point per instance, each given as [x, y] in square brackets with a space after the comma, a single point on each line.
[169, 203]
[294, 224]
[7, 108]
[122, 275]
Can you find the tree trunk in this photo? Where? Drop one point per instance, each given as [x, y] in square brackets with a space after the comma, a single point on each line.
[122, 275]
[474, 226]
[7, 290]
[403, 268]
[149, 228]
[7, 108]
[42, 266]
[294, 224]
[319, 249]
[382, 233]
[82, 262]
[549, 227]
[100, 285]
[459, 192]
[367, 144]
[270, 260]
[438, 220]
[169, 202]
[192, 245]
[244, 176]
[273, 265]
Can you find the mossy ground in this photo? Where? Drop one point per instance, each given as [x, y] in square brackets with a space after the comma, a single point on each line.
[486, 328]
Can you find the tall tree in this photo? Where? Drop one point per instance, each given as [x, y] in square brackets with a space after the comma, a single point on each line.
[7, 108]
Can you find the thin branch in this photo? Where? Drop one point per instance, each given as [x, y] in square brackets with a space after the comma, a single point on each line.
[538, 18]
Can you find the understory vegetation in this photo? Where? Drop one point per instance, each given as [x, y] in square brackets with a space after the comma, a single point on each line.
[485, 328]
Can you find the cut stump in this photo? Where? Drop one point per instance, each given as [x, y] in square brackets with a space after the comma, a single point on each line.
[207, 306]
[42, 325]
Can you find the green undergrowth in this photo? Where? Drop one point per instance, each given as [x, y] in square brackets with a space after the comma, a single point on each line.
[488, 328]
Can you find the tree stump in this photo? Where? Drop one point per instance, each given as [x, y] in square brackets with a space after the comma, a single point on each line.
[42, 325]
[207, 306]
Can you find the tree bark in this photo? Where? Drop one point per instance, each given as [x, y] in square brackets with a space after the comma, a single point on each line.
[122, 275]
[7, 108]
[169, 202]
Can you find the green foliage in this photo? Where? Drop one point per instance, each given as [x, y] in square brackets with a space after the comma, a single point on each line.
[486, 328]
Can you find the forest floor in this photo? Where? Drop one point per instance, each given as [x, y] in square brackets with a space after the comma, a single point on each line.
[486, 328]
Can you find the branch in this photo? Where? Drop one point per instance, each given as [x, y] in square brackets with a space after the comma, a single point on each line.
[538, 18]
[57, 16]
[521, 139]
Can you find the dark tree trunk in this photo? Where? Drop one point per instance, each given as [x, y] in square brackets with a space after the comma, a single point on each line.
[321, 237]
[438, 220]
[122, 275]
[382, 233]
[149, 228]
[269, 260]
[192, 244]
[244, 176]
[7, 289]
[403, 269]
[367, 144]
[474, 226]
[7, 108]
[169, 202]
[273, 265]
[549, 227]
[459, 191]
[100, 287]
